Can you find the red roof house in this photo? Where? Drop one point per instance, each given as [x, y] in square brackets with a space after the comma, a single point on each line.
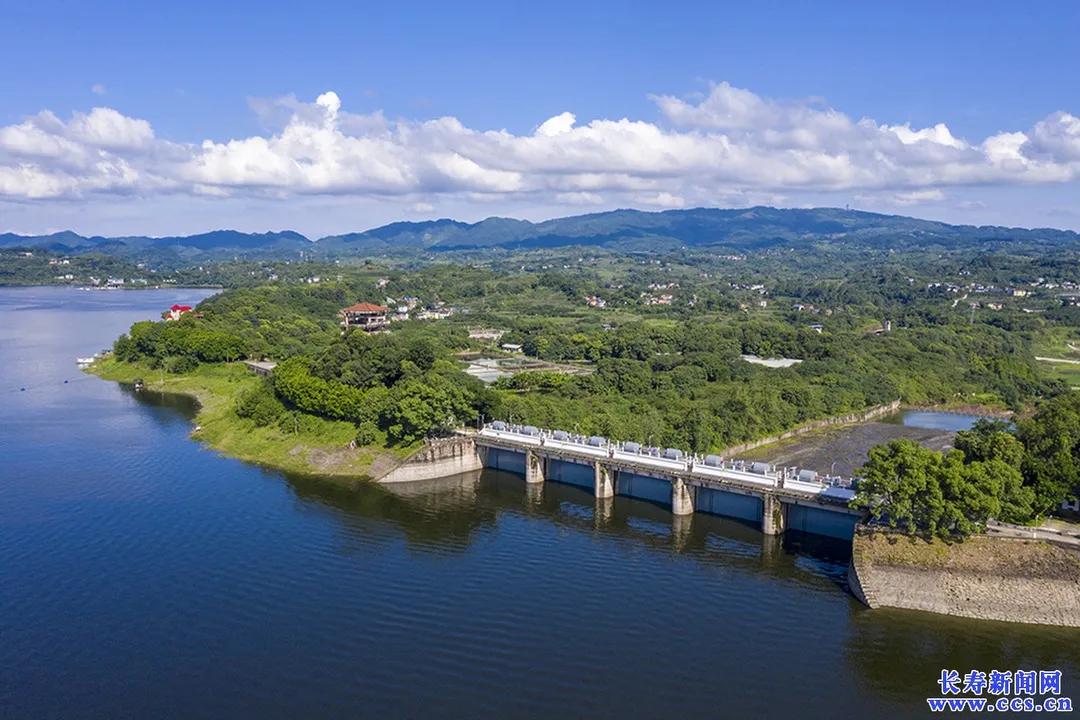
[175, 312]
[366, 316]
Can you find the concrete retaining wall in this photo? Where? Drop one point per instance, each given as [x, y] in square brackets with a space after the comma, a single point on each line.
[983, 595]
[858, 417]
[443, 457]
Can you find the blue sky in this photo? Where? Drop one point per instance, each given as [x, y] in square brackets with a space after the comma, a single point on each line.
[824, 90]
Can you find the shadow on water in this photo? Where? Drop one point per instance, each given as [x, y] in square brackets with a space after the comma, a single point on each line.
[447, 515]
[168, 408]
[441, 516]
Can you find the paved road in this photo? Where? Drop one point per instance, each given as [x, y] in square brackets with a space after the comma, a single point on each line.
[1058, 360]
[1045, 532]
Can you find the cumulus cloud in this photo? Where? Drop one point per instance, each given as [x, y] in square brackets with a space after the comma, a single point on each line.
[561, 123]
[725, 145]
[1057, 138]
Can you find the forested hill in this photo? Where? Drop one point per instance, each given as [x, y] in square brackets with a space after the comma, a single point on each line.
[218, 244]
[736, 230]
[741, 230]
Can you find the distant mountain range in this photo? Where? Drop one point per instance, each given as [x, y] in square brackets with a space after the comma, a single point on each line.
[216, 242]
[620, 231]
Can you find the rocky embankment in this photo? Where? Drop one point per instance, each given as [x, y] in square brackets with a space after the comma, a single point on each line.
[989, 578]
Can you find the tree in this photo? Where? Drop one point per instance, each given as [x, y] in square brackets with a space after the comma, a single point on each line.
[928, 493]
[260, 404]
[990, 440]
[1051, 438]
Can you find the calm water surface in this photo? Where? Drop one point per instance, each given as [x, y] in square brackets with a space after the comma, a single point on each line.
[144, 576]
[935, 420]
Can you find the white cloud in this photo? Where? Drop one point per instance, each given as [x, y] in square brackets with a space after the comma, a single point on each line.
[662, 199]
[918, 197]
[557, 125]
[579, 198]
[98, 89]
[105, 127]
[1057, 138]
[721, 148]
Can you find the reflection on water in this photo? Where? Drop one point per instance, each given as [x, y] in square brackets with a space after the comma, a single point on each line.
[146, 576]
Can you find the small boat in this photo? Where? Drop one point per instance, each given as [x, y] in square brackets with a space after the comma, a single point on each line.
[84, 360]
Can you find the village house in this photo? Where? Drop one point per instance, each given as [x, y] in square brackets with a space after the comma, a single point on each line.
[489, 334]
[263, 368]
[435, 313]
[366, 316]
[595, 301]
[176, 312]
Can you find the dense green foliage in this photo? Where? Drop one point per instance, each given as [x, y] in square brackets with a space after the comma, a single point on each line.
[996, 471]
[396, 383]
[685, 385]
[938, 494]
[183, 338]
[660, 363]
[1051, 440]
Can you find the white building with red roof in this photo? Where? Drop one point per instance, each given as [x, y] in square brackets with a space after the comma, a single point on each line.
[176, 312]
[366, 316]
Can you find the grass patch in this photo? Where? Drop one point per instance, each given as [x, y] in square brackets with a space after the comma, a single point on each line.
[1059, 342]
[979, 555]
[316, 446]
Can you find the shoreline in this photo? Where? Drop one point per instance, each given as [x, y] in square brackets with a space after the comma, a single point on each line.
[169, 286]
[986, 577]
[980, 410]
[328, 451]
[324, 452]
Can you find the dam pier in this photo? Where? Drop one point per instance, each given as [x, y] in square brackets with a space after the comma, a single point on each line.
[776, 499]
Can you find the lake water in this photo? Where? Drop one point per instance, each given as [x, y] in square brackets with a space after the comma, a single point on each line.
[142, 575]
[936, 420]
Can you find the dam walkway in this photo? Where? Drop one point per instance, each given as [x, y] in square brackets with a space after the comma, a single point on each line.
[777, 498]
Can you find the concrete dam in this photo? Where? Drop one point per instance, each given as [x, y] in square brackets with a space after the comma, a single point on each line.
[775, 498]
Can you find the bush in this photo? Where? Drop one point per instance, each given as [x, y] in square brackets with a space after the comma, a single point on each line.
[294, 421]
[260, 405]
[367, 433]
[181, 364]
